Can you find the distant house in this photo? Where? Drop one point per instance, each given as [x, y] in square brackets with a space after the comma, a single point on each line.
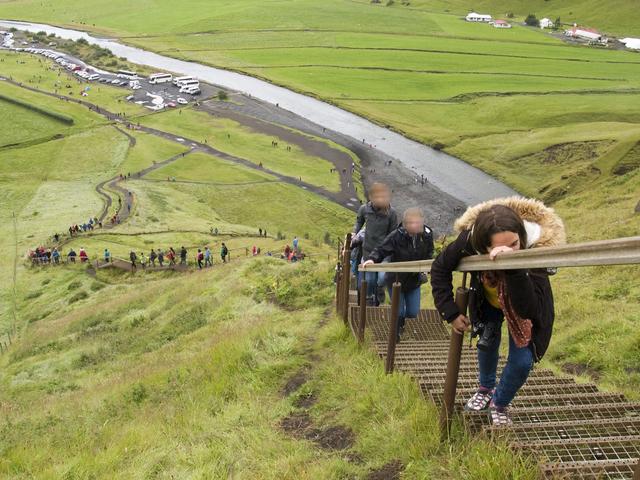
[632, 43]
[546, 23]
[584, 34]
[501, 24]
[477, 17]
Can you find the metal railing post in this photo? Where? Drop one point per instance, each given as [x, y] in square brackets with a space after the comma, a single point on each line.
[363, 310]
[338, 286]
[393, 327]
[453, 365]
[346, 270]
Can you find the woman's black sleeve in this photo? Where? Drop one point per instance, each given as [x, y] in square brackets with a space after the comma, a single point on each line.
[442, 276]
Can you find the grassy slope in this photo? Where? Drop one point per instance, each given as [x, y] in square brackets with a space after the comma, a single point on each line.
[407, 67]
[185, 379]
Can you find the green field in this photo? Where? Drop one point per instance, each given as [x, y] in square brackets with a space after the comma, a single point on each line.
[173, 375]
[231, 137]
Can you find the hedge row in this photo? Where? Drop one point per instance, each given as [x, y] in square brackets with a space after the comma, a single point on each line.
[55, 115]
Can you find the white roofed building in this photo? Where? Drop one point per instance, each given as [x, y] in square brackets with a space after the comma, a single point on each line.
[478, 17]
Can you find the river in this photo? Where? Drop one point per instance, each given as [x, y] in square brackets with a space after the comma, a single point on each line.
[450, 174]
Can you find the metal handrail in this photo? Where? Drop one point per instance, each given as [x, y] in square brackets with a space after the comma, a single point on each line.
[619, 251]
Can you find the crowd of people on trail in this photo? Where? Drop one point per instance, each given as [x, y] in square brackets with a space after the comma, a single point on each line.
[522, 298]
[87, 226]
[53, 256]
[170, 257]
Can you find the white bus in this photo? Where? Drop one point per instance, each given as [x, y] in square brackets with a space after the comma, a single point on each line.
[191, 90]
[189, 83]
[160, 78]
[178, 80]
[126, 74]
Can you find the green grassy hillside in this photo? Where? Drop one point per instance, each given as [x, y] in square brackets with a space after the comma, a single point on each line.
[241, 371]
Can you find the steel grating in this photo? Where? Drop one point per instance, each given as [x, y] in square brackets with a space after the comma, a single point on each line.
[570, 430]
[581, 432]
[592, 470]
[428, 325]
[584, 450]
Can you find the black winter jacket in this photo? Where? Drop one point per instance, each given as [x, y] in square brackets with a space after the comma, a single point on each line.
[402, 247]
[378, 225]
[529, 290]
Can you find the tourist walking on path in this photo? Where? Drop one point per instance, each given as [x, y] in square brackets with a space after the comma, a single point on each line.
[413, 240]
[380, 219]
[133, 257]
[522, 297]
[224, 252]
[107, 255]
[207, 257]
[152, 258]
[183, 256]
[199, 258]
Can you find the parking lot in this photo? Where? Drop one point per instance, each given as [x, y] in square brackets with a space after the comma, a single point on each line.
[155, 96]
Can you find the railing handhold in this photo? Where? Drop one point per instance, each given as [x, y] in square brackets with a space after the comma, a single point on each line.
[453, 367]
[363, 310]
[393, 327]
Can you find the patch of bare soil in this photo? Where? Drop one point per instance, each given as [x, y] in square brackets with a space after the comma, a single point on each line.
[295, 382]
[389, 471]
[580, 369]
[296, 424]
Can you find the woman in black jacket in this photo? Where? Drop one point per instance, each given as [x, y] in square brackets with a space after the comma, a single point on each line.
[522, 297]
[412, 240]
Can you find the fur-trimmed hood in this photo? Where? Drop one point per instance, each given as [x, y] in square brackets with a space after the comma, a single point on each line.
[544, 227]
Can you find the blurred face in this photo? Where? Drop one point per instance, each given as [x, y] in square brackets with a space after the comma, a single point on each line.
[413, 224]
[381, 198]
[505, 239]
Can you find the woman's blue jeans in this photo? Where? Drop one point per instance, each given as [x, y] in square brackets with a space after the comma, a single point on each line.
[515, 372]
[409, 305]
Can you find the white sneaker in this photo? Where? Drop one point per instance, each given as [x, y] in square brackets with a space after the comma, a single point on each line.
[499, 418]
[479, 401]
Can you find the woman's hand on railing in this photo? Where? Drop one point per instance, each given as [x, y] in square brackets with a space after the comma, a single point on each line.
[368, 262]
[460, 324]
[498, 250]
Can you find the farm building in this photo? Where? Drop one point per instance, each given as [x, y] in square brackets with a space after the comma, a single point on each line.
[632, 43]
[501, 24]
[478, 17]
[584, 34]
[546, 23]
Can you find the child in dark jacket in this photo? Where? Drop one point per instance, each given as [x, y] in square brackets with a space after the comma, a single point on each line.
[521, 297]
[413, 240]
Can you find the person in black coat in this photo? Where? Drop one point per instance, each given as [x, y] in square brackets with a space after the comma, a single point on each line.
[523, 297]
[379, 219]
[412, 240]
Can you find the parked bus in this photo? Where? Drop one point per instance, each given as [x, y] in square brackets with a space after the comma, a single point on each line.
[160, 78]
[191, 90]
[189, 83]
[126, 74]
[178, 80]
